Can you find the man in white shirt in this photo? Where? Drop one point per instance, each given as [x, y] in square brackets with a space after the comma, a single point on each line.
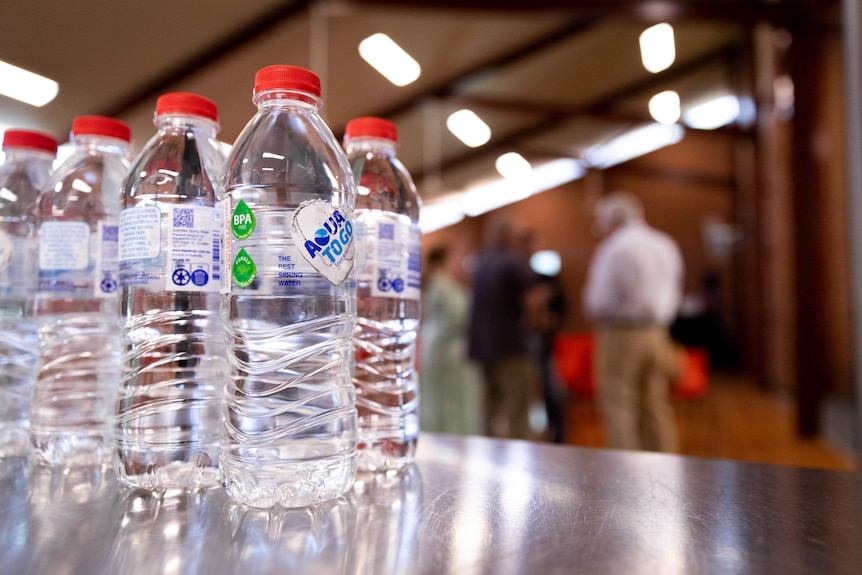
[633, 290]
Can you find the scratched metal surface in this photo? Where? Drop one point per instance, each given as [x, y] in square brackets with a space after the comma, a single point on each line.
[469, 506]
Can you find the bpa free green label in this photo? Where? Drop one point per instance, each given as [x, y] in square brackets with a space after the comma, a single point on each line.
[244, 271]
[243, 222]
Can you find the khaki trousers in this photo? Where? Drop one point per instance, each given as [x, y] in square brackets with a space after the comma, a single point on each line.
[633, 369]
[508, 386]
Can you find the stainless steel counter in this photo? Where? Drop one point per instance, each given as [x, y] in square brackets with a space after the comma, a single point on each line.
[471, 505]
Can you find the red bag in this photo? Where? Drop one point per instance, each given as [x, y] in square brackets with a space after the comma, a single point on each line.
[573, 353]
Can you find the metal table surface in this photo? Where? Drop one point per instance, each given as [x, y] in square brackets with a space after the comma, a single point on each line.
[469, 505]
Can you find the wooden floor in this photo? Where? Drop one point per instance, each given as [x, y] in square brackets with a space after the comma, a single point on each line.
[735, 420]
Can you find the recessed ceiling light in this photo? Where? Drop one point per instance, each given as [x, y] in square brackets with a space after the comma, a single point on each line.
[26, 86]
[389, 59]
[664, 107]
[657, 47]
[469, 128]
[512, 165]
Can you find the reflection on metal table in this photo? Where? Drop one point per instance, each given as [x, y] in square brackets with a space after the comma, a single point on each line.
[469, 505]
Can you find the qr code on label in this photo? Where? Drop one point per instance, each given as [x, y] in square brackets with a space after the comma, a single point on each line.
[184, 218]
[386, 232]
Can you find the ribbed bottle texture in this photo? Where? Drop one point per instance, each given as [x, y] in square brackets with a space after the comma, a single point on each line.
[289, 416]
[23, 175]
[167, 412]
[76, 300]
[388, 277]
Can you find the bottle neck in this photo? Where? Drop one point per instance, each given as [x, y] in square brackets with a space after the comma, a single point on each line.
[102, 144]
[370, 144]
[15, 154]
[287, 98]
[186, 121]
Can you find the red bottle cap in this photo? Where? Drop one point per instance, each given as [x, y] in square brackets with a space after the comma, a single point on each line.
[371, 127]
[101, 126]
[29, 139]
[187, 103]
[281, 77]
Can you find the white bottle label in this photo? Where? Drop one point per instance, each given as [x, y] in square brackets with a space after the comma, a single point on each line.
[225, 243]
[388, 255]
[190, 261]
[75, 263]
[7, 251]
[193, 250]
[324, 236]
[18, 265]
[140, 233]
[106, 268]
[64, 246]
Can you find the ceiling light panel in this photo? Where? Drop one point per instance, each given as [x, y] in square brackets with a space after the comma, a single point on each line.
[389, 59]
[658, 49]
[664, 107]
[26, 86]
[469, 128]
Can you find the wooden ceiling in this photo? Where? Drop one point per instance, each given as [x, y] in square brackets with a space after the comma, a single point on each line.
[550, 77]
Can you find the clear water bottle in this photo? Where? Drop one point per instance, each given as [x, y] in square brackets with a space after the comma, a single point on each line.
[388, 277]
[289, 416]
[23, 175]
[166, 419]
[76, 299]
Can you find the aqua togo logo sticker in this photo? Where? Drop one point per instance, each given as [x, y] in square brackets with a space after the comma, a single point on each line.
[324, 235]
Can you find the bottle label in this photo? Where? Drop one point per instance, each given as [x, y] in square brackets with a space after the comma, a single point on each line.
[76, 263]
[260, 256]
[106, 265]
[243, 222]
[64, 246]
[193, 249]
[324, 235]
[7, 251]
[17, 264]
[190, 261]
[388, 257]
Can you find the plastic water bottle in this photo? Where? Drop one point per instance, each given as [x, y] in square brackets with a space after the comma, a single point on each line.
[76, 300]
[166, 419]
[289, 435]
[388, 277]
[24, 173]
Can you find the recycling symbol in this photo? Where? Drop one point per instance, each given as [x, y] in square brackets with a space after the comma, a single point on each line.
[181, 277]
[108, 285]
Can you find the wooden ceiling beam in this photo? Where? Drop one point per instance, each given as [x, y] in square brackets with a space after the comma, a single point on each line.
[745, 12]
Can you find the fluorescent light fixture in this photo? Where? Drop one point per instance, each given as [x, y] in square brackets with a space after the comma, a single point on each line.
[546, 262]
[664, 107]
[633, 144]
[481, 199]
[389, 59]
[657, 47]
[512, 165]
[26, 86]
[440, 214]
[469, 128]
[713, 114]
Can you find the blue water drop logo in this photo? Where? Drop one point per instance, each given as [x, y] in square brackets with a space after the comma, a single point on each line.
[321, 237]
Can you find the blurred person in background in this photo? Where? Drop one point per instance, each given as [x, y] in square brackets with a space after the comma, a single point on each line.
[500, 328]
[632, 294]
[549, 320]
[450, 387]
